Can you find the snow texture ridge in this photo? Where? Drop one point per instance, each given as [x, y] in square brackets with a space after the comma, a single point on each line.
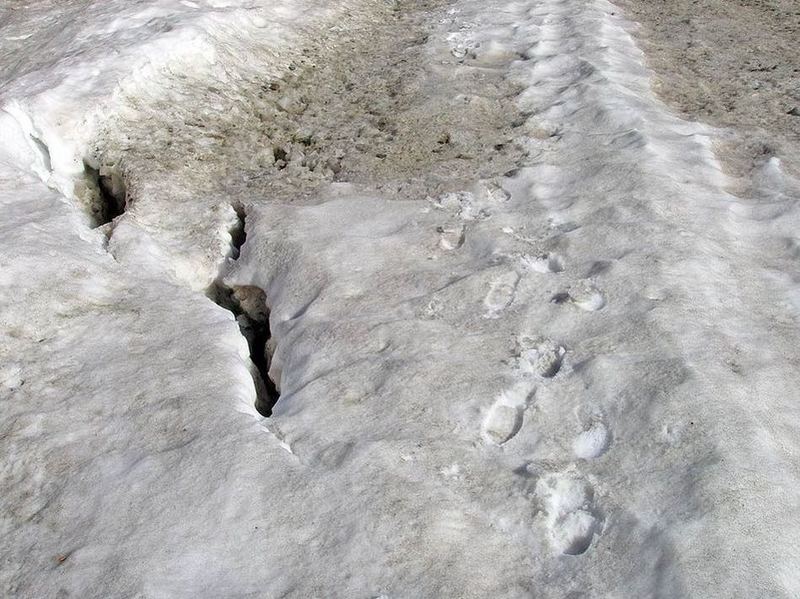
[512, 366]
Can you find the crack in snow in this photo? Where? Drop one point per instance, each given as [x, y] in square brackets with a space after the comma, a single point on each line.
[106, 195]
[248, 304]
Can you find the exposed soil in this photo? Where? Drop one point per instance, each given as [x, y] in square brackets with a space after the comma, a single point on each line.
[355, 107]
[732, 63]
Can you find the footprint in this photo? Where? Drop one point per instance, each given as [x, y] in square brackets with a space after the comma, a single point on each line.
[451, 237]
[505, 417]
[495, 53]
[561, 298]
[501, 294]
[539, 356]
[542, 263]
[586, 297]
[592, 442]
[568, 502]
[462, 46]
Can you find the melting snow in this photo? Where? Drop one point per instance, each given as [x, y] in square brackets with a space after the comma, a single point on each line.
[575, 377]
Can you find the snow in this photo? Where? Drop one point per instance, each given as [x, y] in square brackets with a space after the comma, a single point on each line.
[593, 442]
[576, 378]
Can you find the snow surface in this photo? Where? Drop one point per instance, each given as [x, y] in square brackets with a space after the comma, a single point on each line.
[578, 380]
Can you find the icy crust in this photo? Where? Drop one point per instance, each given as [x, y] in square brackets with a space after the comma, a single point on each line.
[556, 383]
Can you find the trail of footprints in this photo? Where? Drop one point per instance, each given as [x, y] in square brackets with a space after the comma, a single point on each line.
[566, 499]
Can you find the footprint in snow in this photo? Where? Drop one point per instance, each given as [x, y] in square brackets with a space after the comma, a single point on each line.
[539, 356]
[501, 294]
[586, 297]
[451, 237]
[569, 512]
[542, 263]
[504, 419]
[592, 442]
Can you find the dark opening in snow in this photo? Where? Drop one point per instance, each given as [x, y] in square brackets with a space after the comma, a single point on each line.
[238, 235]
[107, 197]
[249, 304]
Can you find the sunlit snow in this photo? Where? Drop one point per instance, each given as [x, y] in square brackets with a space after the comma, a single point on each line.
[526, 339]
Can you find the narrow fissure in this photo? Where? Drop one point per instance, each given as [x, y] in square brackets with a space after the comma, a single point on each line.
[249, 305]
[237, 232]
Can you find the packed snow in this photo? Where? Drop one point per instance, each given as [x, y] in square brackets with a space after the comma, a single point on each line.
[529, 336]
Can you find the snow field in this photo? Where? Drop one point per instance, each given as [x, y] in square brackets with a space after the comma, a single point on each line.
[539, 383]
